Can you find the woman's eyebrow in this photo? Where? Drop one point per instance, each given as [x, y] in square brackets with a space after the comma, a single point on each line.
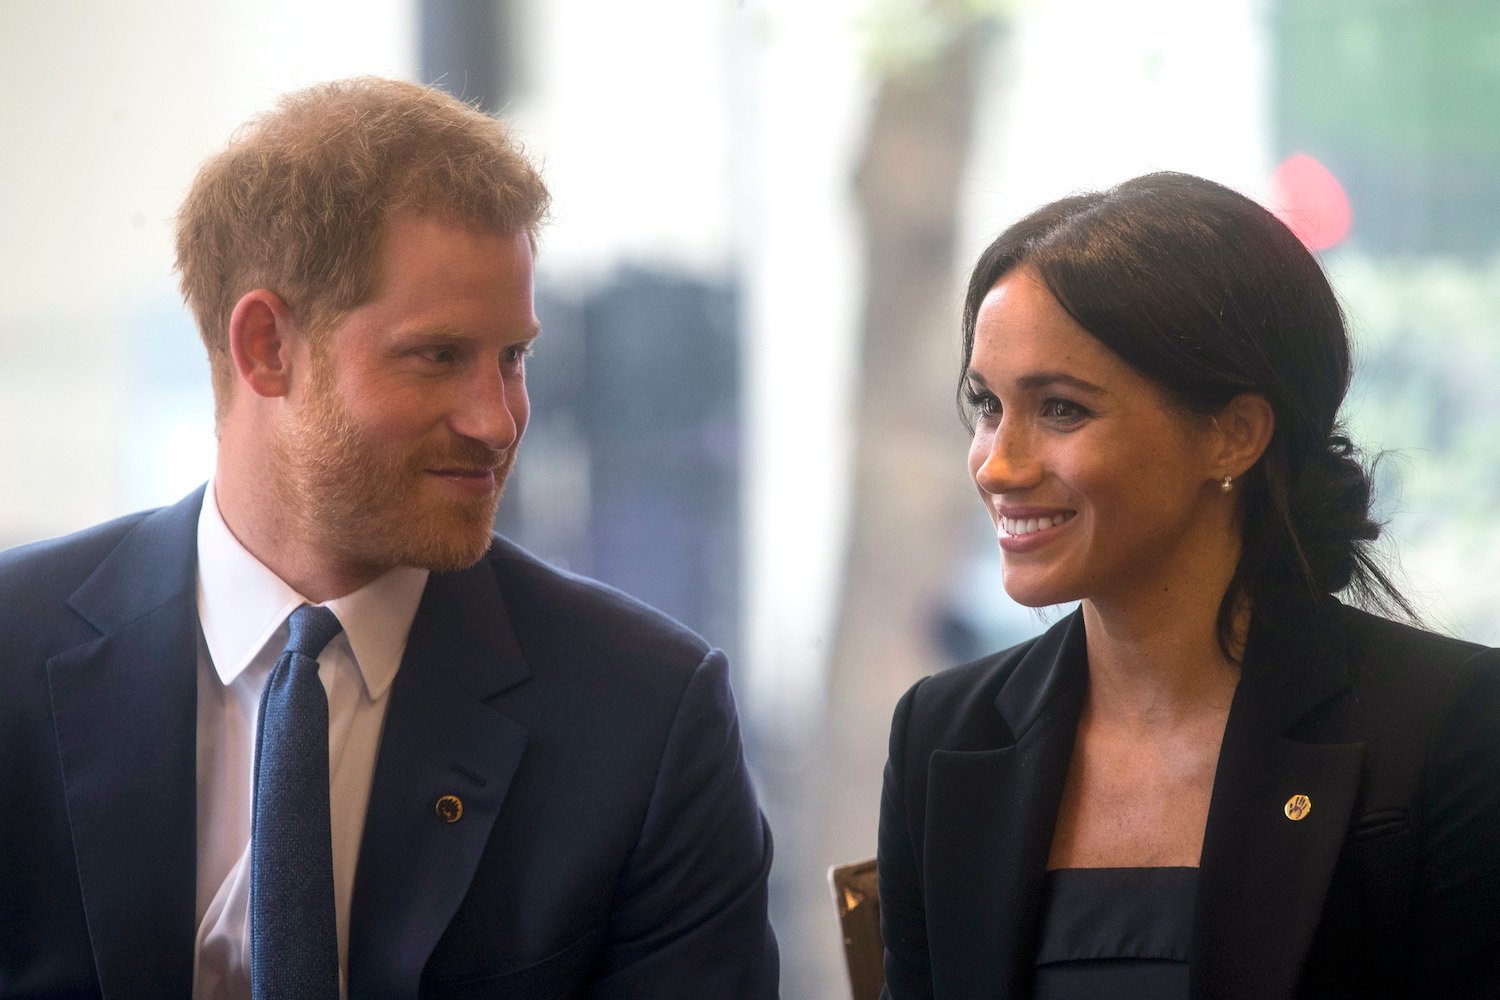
[1038, 380]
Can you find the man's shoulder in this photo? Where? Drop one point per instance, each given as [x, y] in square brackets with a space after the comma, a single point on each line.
[565, 610]
[41, 583]
[56, 566]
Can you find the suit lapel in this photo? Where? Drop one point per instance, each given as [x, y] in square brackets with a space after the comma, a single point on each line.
[125, 710]
[991, 814]
[1264, 876]
[440, 739]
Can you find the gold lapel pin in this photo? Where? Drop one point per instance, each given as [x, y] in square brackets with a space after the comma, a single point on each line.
[450, 808]
[1297, 807]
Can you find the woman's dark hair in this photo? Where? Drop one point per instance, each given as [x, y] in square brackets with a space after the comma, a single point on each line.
[1208, 295]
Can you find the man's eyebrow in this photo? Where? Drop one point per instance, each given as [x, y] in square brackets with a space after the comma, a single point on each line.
[443, 331]
[1040, 380]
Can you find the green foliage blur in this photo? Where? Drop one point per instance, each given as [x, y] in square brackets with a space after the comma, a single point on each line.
[1427, 392]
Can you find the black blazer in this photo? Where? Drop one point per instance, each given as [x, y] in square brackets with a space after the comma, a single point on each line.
[609, 847]
[1388, 887]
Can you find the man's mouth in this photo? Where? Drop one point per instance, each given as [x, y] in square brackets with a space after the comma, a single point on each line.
[478, 481]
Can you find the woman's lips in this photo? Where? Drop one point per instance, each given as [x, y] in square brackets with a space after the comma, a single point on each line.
[1025, 531]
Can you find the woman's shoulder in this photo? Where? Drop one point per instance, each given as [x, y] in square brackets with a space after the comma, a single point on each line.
[1401, 638]
[1404, 687]
[1410, 659]
[961, 707]
[1329, 638]
[986, 674]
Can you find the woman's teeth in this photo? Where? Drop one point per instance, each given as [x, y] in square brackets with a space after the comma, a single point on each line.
[1029, 525]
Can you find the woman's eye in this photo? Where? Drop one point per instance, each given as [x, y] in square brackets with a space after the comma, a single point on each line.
[1062, 411]
[983, 403]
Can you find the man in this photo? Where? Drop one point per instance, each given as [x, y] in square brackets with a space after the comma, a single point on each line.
[533, 785]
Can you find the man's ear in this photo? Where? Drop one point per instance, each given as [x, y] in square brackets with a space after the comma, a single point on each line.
[262, 336]
[1244, 425]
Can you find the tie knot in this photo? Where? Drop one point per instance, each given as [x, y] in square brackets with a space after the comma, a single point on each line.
[312, 629]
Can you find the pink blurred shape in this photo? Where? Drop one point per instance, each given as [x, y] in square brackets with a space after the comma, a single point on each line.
[1310, 200]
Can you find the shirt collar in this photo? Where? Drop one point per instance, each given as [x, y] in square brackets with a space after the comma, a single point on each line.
[242, 604]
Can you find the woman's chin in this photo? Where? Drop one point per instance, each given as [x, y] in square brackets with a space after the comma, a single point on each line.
[1037, 597]
[1032, 589]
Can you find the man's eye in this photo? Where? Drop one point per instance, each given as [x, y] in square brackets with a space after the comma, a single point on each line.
[440, 355]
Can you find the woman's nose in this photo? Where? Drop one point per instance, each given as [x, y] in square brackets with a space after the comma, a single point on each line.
[1003, 461]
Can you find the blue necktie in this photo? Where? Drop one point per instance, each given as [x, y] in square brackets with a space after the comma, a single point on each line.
[294, 948]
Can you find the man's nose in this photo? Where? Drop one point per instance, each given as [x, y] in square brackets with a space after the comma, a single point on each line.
[487, 411]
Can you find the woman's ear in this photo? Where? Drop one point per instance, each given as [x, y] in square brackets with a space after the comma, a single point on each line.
[1244, 427]
[261, 338]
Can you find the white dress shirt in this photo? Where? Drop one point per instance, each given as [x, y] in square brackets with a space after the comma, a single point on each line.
[242, 610]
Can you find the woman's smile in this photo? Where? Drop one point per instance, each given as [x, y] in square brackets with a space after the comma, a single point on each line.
[1027, 531]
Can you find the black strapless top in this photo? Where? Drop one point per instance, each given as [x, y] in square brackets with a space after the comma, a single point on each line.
[1115, 934]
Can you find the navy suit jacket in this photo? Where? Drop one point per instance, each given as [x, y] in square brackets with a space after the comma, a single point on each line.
[610, 845]
[1389, 887]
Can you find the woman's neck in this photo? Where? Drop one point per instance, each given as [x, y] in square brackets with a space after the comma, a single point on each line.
[1157, 659]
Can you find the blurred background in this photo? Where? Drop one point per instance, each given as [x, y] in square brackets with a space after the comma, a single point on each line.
[764, 211]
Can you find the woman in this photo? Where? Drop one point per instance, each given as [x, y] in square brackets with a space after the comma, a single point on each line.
[1214, 779]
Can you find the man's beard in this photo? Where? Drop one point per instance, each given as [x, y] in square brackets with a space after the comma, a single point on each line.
[376, 508]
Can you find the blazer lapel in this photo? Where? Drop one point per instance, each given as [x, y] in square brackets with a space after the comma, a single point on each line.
[440, 740]
[125, 710]
[1264, 876]
[991, 813]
